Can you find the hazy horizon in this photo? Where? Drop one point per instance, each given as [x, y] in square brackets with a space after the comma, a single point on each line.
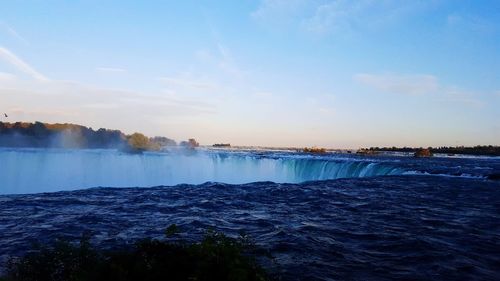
[335, 74]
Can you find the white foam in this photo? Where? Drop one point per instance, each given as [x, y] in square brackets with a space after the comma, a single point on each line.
[41, 170]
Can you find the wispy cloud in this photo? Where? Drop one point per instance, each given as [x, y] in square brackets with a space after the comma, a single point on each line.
[455, 94]
[4, 76]
[68, 101]
[322, 105]
[219, 55]
[65, 101]
[472, 23]
[226, 61]
[38, 112]
[263, 95]
[188, 82]
[333, 16]
[110, 70]
[344, 15]
[329, 16]
[399, 84]
[417, 84]
[220, 58]
[279, 13]
[21, 65]
[12, 32]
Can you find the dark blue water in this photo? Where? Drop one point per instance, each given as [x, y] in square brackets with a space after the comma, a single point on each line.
[379, 228]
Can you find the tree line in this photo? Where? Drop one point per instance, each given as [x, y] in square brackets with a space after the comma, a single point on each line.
[488, 150]
[44, 135]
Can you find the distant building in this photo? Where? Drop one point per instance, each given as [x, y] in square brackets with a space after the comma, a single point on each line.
[222, 145]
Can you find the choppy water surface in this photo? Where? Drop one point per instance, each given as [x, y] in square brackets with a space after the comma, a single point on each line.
[413, 227]
[401, 224]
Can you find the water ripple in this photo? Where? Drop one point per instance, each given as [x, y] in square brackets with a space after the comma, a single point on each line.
[383, 228]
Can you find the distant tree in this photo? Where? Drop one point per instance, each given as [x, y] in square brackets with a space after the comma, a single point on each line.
[191, 143]
[314, 150]
[138, 141]
[162, 141]
[39, 130]
[22, 134]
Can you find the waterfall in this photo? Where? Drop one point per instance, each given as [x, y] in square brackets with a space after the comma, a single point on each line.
[42, 170]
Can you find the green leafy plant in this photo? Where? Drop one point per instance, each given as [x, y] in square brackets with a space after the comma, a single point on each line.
[215, 257]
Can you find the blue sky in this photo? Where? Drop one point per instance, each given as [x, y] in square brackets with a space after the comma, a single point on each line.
[280, 73]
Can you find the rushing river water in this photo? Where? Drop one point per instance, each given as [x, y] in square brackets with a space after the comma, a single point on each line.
[333, 217]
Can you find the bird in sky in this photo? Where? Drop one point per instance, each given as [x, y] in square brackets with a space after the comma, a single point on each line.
[6, 115]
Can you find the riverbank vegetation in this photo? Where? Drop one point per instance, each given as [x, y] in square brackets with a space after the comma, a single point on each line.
[487, 150]
[314, 150]
[215, 257]
[44, 135]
